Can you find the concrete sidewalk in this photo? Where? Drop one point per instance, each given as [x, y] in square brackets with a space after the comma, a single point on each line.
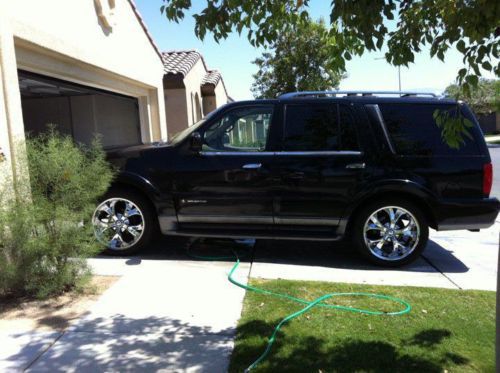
[161, 315]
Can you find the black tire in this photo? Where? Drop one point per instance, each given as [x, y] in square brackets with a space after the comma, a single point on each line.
[358, 233]
[149, 219]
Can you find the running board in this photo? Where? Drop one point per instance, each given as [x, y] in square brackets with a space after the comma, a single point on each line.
[243, 234]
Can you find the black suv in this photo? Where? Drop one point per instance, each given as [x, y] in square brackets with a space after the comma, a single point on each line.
[308, 166]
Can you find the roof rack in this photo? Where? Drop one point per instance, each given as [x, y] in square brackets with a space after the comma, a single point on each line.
[355, 93]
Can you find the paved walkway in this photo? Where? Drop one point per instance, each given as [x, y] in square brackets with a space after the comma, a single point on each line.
[173, 314]
[179, 315]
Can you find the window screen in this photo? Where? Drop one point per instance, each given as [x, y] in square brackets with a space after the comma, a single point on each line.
[413, 130]
[311, 128]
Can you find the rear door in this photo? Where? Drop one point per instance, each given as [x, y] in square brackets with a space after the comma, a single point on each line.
[319, 165]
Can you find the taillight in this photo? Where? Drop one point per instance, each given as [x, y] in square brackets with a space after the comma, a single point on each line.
[487, 179]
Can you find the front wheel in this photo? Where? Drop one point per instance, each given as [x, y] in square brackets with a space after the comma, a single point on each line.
[391, 232]
[123, 222]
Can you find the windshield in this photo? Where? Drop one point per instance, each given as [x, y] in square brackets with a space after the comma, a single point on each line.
[180, 136]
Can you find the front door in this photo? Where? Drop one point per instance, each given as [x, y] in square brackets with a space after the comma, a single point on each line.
[229, 181]
[319, 166]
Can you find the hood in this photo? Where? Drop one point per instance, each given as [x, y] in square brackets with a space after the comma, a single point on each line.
[129, 150]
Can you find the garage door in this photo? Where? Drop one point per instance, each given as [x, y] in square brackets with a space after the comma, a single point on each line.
[79, 111]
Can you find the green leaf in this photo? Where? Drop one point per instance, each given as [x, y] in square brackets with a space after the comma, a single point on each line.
[487, 66]
[461, 46]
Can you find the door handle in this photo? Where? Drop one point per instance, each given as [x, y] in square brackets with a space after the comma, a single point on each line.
[355, 165]
[252, 166]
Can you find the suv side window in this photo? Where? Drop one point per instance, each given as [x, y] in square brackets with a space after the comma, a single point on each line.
[348, 136]
[243, 129]
[311, 127]
[414, 131]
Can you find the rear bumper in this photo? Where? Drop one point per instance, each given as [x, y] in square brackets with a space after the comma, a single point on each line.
[466, 214]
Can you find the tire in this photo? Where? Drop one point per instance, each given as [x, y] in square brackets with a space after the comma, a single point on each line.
[386, 246]
[124, 222]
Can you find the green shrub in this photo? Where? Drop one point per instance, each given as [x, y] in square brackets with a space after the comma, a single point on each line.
[45, 227]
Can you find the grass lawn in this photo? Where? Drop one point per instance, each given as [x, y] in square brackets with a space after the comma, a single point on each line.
[446, 330]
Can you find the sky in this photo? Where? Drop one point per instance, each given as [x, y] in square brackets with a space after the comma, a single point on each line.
[233, 57]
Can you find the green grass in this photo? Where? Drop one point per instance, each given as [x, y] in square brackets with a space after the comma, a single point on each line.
[447, 330]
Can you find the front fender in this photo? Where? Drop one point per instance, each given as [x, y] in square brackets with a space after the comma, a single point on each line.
[137, 181]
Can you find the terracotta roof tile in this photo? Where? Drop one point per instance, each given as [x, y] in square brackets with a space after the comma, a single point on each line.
[180, 62]
[211, 77]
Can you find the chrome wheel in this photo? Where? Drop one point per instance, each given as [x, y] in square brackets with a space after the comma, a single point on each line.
[118, 223]
[391, 233]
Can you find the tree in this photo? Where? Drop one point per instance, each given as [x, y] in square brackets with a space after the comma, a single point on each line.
[484, 99]
[297, 61]
[470, 26]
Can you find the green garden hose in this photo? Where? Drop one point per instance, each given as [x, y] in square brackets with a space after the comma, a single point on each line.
[318, 302]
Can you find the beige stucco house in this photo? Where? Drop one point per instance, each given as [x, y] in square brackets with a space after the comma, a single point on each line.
[191, 89]
[88, 66]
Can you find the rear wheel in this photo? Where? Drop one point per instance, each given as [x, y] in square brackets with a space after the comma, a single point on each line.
[391, 232]
[124, 222]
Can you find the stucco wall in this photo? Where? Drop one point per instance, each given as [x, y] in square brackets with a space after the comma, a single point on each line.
[209, 104]
[192, 83]
[220, 94]
[176, 106]
[72, 28]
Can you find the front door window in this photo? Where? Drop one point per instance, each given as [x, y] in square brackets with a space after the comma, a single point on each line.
[240, 130]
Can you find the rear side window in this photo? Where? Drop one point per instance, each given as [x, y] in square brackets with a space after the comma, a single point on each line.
[347, 125]
[311, 128]
[414, 130]
[319, 127]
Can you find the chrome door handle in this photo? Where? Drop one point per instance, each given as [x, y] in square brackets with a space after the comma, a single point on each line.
[252, 166]
[356, 165]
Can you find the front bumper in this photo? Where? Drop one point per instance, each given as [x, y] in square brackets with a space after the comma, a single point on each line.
[466, 214]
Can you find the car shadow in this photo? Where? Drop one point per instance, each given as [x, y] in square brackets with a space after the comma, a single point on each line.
[340, 254]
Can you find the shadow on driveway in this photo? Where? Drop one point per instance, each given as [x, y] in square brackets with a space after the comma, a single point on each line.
[306, 253]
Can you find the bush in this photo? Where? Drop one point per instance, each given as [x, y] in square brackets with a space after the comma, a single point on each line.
[45, 227]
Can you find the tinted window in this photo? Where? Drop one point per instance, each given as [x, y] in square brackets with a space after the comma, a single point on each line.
[414, 131]
[311, 128]
[348, 137]
[242, 129]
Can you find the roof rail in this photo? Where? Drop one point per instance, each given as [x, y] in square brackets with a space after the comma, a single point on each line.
[354, 93]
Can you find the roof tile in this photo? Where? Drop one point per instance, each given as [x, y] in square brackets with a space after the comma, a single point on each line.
[180, 62]
[211, 77]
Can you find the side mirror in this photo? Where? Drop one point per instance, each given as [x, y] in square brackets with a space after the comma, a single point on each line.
[196, 142]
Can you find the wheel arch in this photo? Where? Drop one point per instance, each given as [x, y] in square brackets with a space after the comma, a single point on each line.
[418, 197]
[136, 184]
